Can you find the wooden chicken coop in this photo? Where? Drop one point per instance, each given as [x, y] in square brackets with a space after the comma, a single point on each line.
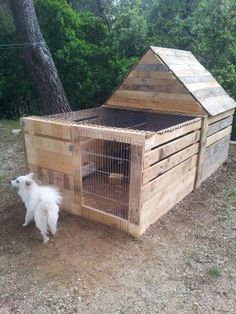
[162, 132]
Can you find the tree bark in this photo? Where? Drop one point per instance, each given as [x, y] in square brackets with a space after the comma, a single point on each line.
[38, 58]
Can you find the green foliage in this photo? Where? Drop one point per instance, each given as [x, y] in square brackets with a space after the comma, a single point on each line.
[214, 272]
[94, 44]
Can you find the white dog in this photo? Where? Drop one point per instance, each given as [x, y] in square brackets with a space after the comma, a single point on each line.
[41, 202]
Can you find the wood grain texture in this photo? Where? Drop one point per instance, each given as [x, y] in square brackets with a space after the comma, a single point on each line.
[186, 68]
[50, 160]
[164, 200]
[109, 133]
[220, 116]
[219, 125]
[136, 163]
[215, 155]
[158, 139]
[77, 167]
[168, 163]
[150, 85]
[151, 188]
[170, 148]
[53, 129]
[56, 146]
[218, 136]
[201, 152]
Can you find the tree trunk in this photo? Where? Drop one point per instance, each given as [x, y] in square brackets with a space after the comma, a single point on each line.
[38, 58]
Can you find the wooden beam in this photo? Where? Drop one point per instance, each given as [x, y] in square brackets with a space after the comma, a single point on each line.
[168, 163]
[158, 139]
[135, 183]
[77, 167]
[170, 148]
[151, 188]
[202, 145]
[112, 134]
[164, 200]
[219, 125]
[218, 136]
[221, 116]
[40, 126]
[51, 145]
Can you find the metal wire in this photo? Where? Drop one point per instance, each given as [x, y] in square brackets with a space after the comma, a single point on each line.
[105, 171]
[125, 119]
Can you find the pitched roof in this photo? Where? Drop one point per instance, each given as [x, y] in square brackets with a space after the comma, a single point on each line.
[197, 80]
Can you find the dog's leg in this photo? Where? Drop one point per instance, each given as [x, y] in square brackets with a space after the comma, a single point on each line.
[45, 237]
[52, 220]
[28, 218]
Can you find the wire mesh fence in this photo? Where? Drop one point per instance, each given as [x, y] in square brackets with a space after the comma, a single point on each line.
[105, 173]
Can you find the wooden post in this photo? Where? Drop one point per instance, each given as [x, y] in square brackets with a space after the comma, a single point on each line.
[136, 167]
[202, 147]
[76, 151]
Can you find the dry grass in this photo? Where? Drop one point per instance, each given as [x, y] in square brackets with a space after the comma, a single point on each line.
[185, 263]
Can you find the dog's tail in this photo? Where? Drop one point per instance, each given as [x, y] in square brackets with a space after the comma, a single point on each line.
[54, 193]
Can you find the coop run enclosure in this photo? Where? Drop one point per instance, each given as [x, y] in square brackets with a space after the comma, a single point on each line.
[162, 132]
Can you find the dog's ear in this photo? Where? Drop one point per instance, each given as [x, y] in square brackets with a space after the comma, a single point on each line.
[30, 175]
[28, 182]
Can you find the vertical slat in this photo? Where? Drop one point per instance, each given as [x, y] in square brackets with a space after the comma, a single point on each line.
[22, 123]
[202, 147]
[76, 157]
[135, 183]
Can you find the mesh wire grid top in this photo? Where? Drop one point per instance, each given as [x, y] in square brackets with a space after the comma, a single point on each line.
[125, 119]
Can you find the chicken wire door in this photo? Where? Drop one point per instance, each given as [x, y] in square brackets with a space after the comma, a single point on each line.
[105, 176]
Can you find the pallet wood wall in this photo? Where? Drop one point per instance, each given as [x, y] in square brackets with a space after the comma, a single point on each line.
[152, 85]
[217, 143]
[168, 172]
[164, 166]
[49, 156]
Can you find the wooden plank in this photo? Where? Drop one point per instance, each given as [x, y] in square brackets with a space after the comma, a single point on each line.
[204, 78]
[25, 151]
[215, 155]
[150, 189]
[50, 160]
[109, 133]
[104, 218]
[219, 125]
[168, 106]
[201, 153]
[216, 105]
[170, 88]
[151, 67]
[37, 126]
[218, 136]
[56, 146]
[135, 183]
[59, 179]
[168, 191]
[170, 148]
[77, 167]
[158, 139]
[67, 203]
[162, 82]
[149, 58]
[170, 52]
[168, 163]
[221, 116]
[159, 97]
[205, 93]
[151, 75]
[214, 152]
[166, 199]
[194, 87]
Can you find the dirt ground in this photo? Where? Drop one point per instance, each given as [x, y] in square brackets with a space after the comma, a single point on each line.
[185, 263]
